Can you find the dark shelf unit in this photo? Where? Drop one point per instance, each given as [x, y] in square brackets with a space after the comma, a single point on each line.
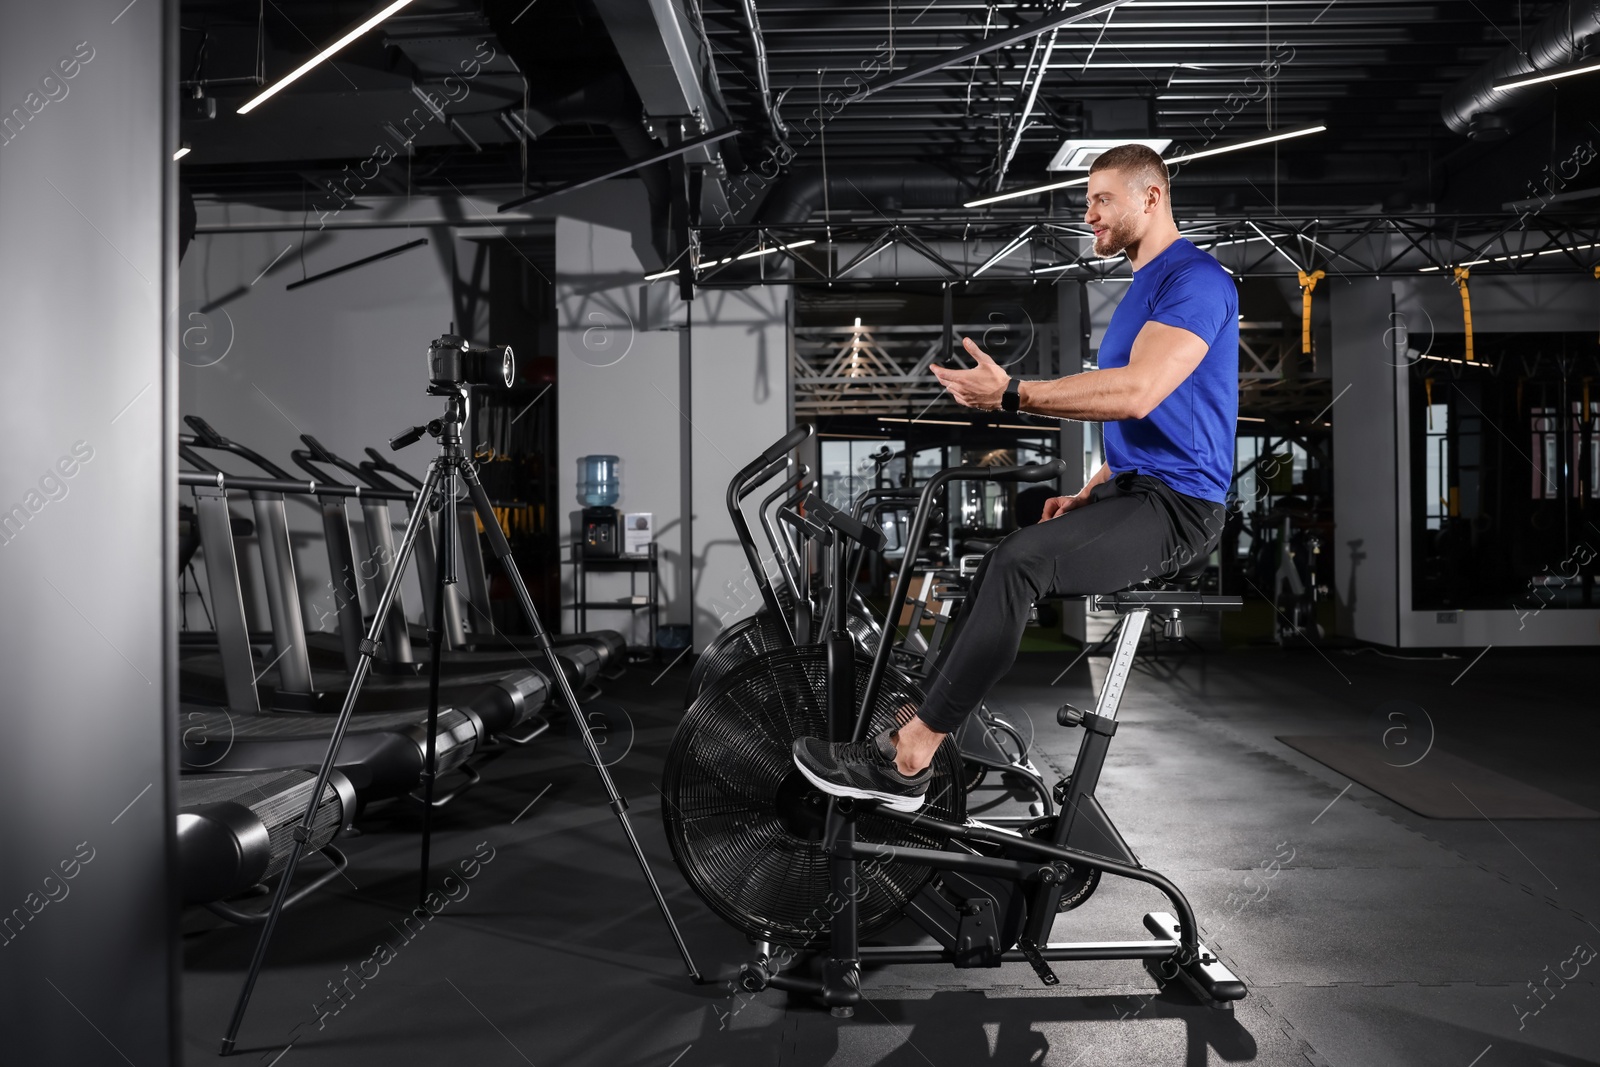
[584, 564]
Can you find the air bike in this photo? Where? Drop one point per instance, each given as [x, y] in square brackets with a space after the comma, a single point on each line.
[812, 879]
[788, 614]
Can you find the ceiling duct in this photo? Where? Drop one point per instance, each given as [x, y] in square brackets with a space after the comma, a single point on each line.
[1476, 109]
[886, 191]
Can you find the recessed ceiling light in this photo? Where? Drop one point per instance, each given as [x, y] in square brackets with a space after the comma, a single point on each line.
[1079, 153]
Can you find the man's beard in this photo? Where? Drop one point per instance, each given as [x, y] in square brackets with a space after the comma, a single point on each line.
[1117, 237]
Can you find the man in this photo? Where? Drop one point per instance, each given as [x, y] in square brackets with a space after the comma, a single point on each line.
[1166, 390]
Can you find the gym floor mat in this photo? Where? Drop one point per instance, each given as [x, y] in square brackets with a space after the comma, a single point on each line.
[1438, 786]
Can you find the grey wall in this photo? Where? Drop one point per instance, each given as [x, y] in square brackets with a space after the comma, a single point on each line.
[340, 359]
[88, 966]
[738, 359]
[672, 390]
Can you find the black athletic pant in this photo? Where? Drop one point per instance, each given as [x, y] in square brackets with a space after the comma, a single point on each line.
[1133, 528]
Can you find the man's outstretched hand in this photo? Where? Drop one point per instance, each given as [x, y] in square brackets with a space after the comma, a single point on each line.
[981, 387]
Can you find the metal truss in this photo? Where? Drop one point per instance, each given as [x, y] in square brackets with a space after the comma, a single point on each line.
[884, 370]
[968, 249]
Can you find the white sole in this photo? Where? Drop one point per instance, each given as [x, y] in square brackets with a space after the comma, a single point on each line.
[832, 789]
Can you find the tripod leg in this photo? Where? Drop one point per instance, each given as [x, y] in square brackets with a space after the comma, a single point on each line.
[302, 832]
[444, 572]
[619, 805]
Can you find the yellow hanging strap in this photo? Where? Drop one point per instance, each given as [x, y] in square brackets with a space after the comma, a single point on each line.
[1308, 282]
[1427, 389]
[1597, 274]
[1466, 307]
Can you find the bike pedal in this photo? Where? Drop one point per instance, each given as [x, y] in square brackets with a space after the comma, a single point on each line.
[1030, 952]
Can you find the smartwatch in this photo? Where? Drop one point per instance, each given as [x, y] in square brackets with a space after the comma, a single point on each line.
[1011, 400]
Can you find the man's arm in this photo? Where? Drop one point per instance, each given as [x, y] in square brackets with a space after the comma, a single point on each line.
[1162, 357]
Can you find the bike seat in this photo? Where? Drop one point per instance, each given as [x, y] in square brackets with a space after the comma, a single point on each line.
[1167, 592]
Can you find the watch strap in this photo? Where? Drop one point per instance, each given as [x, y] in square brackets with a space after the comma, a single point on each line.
[1011, 400]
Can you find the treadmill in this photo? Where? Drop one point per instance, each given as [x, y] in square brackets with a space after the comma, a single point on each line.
[506, 700]
[585, 657]
[382, 754]
[235, 832]
[246, 774]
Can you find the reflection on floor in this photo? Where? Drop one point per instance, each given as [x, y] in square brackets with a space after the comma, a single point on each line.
[1368, 935]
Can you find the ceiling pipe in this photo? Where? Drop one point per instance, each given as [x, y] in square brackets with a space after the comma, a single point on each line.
[758, 45]
[887, 191]
[608, 101]
[1476, 109]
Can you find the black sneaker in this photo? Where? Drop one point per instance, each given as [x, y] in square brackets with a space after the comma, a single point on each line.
[864, 769]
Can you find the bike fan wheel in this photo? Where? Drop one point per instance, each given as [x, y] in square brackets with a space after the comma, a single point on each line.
[752, 636]
[760, 633]
[746, 827]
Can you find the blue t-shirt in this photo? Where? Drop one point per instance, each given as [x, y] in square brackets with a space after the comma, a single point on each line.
[1187, 441]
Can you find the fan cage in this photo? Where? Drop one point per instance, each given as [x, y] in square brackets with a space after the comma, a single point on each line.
[760, 633]
[744, 826]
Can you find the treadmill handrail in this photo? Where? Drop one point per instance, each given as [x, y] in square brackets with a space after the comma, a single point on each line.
[206, 437]
[222, 480]
[377, 461]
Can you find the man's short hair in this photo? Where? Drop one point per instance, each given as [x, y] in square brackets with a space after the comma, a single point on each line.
[1139, 162]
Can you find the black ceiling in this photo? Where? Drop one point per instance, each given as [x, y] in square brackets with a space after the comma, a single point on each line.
[1374, 71]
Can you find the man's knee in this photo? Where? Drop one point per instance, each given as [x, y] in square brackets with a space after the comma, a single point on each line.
[1014, 561]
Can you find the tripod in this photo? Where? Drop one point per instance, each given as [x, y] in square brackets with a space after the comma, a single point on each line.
[437, 495]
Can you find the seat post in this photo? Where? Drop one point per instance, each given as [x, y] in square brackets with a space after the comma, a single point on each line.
[1121, 663]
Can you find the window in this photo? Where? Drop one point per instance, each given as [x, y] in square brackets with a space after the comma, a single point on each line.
[1546, 474]
[1436, 466]
[1585, 461]
[848, 468]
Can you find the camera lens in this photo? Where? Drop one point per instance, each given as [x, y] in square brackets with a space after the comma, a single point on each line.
[491, 365]
[452, 361]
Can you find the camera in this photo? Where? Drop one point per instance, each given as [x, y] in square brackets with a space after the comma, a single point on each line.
[454, 361]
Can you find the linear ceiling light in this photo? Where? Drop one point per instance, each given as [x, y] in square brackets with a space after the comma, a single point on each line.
[1534, 77]
[182, 151]
[776, 248]
[863, 258]
[672, 272]
[1463, 362]
[931, 422]
[1517, 255]
[1017, 243]
[984, 201]
[295, 75]
[1281, 135]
